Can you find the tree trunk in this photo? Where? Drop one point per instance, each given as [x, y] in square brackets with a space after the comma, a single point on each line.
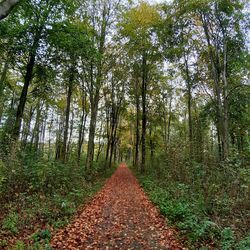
[27, 81]
[144, 112]
[225, 95]
[70, 136]
[151, 145]
[216, 77]
[6, 6]
[189, 102]
[2, 84]
[82, 128]
[92, 127]
[169, 119]
[100, 145]
[42, 144]
[27, 128]
[137, 136]
[113, 135]
[67, 113]
[58, 154]
[95, 96]
[36, 130]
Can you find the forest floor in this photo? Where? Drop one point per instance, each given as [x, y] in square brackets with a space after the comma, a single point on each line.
[120, 216]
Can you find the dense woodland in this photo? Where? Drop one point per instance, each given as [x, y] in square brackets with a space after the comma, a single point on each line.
[164, 87]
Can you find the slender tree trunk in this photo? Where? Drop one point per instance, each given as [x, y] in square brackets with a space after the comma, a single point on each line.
[225, 112]
[151, 145]
[216, 77]
[165, 122]
[27, 81]
[189, 101]
[82, 128]
[50, 131]
[144, 112]
[23, 97]
[169, 119]
[42, 144]
[108, 135]
[137, 136]
[225, 93]
[10, 119]
[58, 154]
[113, 135]
[92, 127]
[36, 130]
[67, 113]
[100, 145]
[27, 127]
[107, 152]
[2, 84]
[95, 97]
[70, 136]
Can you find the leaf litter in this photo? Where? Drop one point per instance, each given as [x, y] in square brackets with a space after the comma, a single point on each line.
[120, 216]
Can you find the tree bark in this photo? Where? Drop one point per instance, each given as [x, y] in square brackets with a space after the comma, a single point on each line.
[82, 128]
[225, 98]
[95, 92]
[169, 119]
[36, 130]
[189, 104]
[27, 81]
[70, 136]
[67, 113]
[2, 85]
[216, 77]
[137, 136]
[144, 112]
[27, 127]
[6, 6]
[92, 127]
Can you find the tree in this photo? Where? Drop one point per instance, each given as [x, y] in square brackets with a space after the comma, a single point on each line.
[45, 14]
[6, 6]
[101, 24]
[138, 27]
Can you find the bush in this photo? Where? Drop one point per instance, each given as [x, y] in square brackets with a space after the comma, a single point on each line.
[10, 222]
[244, 244]
[44, 190]
[19, 245]
[227, 239]
[191, 196]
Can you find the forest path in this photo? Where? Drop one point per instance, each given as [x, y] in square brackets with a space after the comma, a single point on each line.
[120, 216]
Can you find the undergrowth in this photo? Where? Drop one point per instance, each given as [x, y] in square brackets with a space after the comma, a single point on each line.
[40, 195]
[209, 210]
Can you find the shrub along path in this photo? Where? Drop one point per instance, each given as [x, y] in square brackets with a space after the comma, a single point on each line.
[120, 216]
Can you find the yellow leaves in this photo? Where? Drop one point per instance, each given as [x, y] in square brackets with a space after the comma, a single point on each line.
[62, 103]
[139, 20]
[145, 15]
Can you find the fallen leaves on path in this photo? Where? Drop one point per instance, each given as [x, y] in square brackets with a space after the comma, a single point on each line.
[120, 216]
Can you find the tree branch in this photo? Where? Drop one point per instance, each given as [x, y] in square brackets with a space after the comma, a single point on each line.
[6, 6]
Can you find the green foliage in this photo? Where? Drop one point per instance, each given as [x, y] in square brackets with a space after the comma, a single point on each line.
[3, 243]
[41, 240]
[244, 244]
[190, 194]
[10, 222]
[43, 190]
[227, 240]
[20, 245]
